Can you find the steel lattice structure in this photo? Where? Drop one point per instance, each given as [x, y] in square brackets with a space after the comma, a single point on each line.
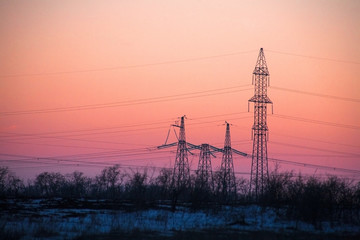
[204, 177]
[227, 166]
[181, 174]
[259, 164]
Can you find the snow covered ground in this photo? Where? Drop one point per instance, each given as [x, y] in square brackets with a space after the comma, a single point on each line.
[35, 220]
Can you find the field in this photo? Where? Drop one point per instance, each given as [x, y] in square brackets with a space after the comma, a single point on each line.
[100, 219]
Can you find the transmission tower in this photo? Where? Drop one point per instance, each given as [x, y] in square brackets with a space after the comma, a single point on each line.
[181, 174]
[227, 166]
[204, 177]
[259, 164]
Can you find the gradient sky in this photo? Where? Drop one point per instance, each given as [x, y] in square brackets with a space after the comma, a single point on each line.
[60, 54]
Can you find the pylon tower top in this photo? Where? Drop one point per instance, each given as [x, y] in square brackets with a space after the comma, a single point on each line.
[261, 80]
[182, 136]
[261, 66]
[227, 142]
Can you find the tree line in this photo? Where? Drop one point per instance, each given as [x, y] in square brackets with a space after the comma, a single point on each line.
[309, 199]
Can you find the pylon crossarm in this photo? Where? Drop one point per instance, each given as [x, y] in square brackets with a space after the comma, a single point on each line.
[216, 149]
[233, 150]
[260, 99]
[167, 145]
[239, 153]
[193, 146]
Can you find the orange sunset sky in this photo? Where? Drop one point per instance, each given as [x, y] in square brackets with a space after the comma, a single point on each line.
[88, 84]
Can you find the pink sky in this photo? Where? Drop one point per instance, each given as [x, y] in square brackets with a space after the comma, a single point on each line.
[66, 37]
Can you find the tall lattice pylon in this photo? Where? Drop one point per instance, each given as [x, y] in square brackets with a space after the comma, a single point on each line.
[228, 183]
[259, 164]
[204, 177]
[181, 174]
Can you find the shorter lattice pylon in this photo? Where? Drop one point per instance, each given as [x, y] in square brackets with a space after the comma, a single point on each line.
[181, 173]
[204, 176]
[227, 174]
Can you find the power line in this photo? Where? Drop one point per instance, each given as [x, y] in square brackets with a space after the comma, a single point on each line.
[123, 152]
[127, 66]
[166, 63]
[314, 155]
[80, 160]
[219, 91]
[84, 158]
[11, 135]
[314, 148]
[65, 137]
[314, 57]
[106, 163]
[316, 121]
[310, 165]
[29, 136]
[57, 145]
[127, 166]
[317, 94]
[317, 140]
[132, 152]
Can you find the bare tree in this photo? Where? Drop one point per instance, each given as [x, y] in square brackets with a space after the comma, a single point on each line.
[77, 184]
[10, 185]
[136, 187]
[50, 184]
[109, 181]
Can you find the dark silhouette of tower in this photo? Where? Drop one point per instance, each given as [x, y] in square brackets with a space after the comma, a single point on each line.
[227, 166]
[259, 164]
[181, 174]
[204, 177]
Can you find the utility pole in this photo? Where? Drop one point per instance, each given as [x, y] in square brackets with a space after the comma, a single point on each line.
[227, 167]
[259, 164]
